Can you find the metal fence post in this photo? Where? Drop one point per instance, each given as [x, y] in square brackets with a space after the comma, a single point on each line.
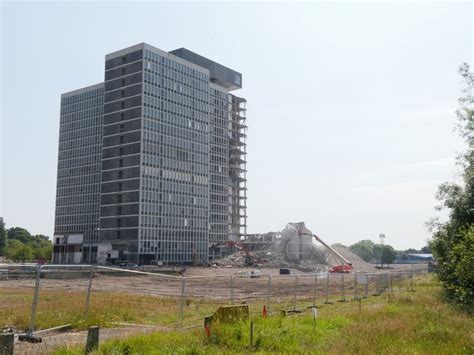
[391, 283]
[327, 289]
[355, 285]
[269, 292]
[181, 306]
[34, 303]
[231, 289]
[315, 289]
[343, 288]
[296, 290]
[367, 285]
[88, 296]
[400, 277]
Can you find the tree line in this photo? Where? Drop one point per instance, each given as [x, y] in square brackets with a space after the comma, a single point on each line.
[17, 244]
[453, 240]
[383, 254]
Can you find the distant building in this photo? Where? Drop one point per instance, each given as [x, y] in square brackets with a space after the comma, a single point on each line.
[152, 162]
[419, 258]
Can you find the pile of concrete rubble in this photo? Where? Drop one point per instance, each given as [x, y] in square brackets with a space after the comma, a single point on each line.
[295, 248]
[292, 250]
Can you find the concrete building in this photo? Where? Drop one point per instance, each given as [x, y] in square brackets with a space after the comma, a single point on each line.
[155, 170]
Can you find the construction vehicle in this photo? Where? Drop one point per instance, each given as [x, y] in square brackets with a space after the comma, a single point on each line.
[344, 267]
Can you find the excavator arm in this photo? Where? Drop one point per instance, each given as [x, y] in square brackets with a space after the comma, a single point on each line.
[346, 264]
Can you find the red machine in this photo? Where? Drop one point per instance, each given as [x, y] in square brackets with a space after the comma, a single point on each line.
[345, 267]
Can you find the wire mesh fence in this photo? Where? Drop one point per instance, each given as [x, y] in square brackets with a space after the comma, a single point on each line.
[35, 298]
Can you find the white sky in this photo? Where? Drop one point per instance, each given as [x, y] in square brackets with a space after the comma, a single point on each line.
[350, 106]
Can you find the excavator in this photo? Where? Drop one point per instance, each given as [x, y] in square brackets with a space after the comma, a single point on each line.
[344, 267]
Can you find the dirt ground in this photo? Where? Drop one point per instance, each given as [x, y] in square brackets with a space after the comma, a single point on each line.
[205, 283]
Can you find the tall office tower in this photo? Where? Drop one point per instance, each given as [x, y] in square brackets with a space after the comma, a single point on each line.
[78, 179]
[227, 146]
[173, 158]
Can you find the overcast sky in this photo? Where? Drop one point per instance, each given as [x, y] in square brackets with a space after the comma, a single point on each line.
[350, 107]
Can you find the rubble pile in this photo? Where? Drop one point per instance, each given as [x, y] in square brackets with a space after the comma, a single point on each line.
[292, 250]
[295, 249]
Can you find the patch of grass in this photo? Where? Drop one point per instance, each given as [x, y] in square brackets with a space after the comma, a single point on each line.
[415, 323]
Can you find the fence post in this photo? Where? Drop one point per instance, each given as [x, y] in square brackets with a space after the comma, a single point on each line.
[181, 306]
[269, 292]
[355, 285]
[35, 302]
[92, 342]
[296, 290]
[412, 289]
[7, 343]
[327, 289]
[343, 289]
[231, 289]
[366, 285]
[400, 277]
[315, 289]
[391, 283]
[88, 296]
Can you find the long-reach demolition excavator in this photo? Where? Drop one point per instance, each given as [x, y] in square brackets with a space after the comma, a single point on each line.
[344, 267]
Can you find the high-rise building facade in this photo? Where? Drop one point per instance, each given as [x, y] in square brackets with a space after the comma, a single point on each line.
[79, 172]
[171, 176]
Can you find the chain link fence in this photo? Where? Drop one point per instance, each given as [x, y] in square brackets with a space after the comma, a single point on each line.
[36, 299]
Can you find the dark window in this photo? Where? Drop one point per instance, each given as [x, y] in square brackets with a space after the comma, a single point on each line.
[122, 116]
[122, 105]
[119, 198]
[121, 163]
[124, 59]
[121, 150]
[123, 71]
[120, 187]
[119, 222]
[120, 174]
[119, 210]
[118, 234]
[122, 93]
[121, 139]
[122, 127]
[123, 82]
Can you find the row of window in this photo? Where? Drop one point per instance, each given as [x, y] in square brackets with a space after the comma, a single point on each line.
[177, 82]
[175, 66]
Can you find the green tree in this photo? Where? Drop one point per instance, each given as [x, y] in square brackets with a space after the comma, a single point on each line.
[3, 237]
[22, 246]
[378, 253]
[17, 251]
[452, 242]
[388, 255]
[364, 249]
[17, 233]
[44, 253]
[425, 250]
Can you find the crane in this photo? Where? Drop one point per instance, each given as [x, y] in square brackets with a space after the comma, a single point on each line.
[344, 267]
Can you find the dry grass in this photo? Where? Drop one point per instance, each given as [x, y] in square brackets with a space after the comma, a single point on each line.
[414, 323]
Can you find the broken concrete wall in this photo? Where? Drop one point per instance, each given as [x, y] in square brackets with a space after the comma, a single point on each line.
[295, 245]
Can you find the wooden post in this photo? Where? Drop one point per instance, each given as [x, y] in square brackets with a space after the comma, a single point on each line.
[251, 333]
[92, 342]
[7, 342]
